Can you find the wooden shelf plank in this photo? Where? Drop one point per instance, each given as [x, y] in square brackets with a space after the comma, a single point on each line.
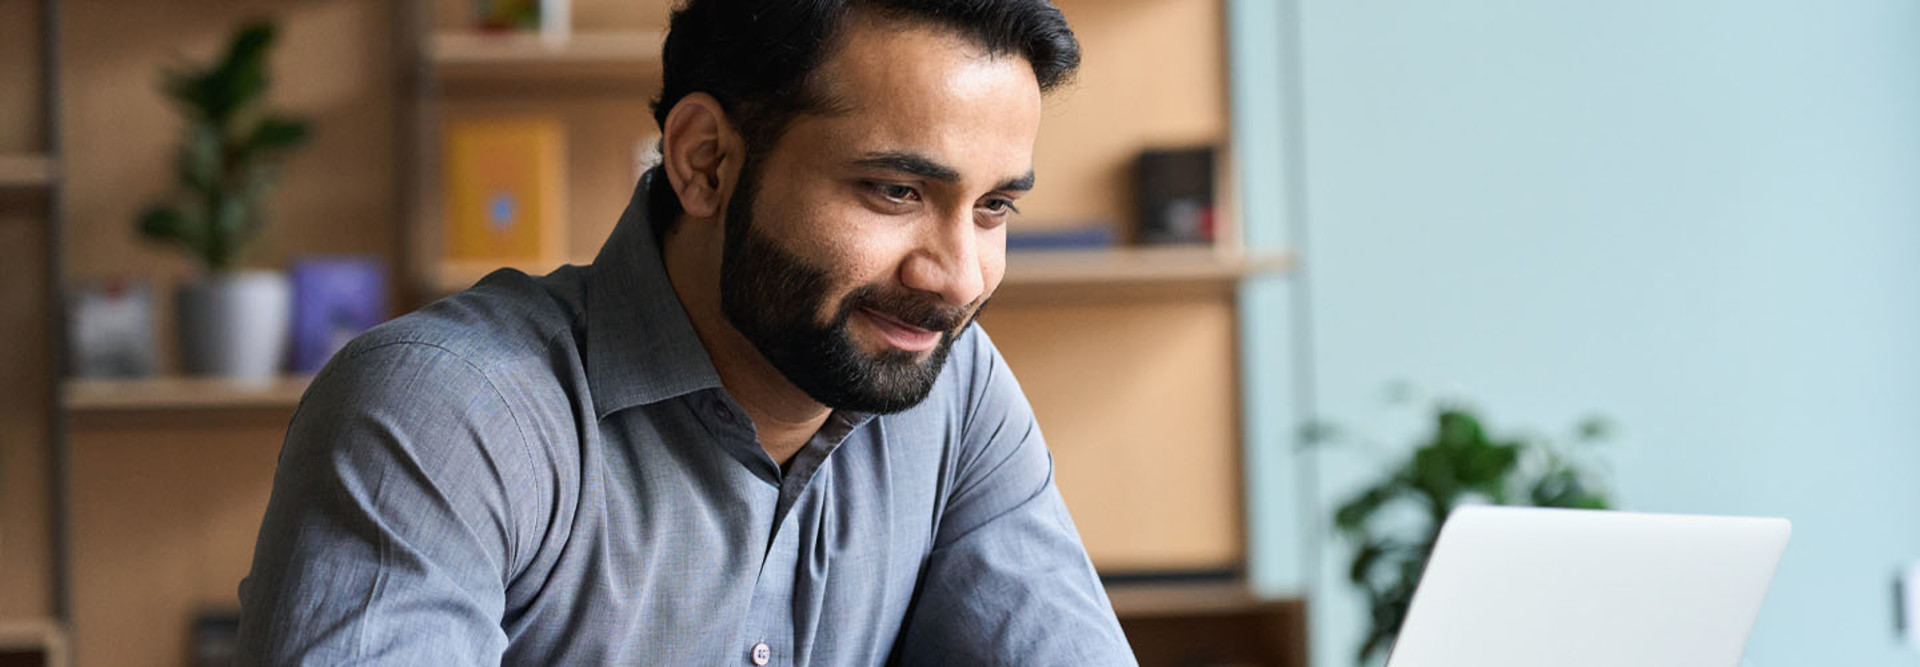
[1132, 600]
[1138, 265]
[1029, 271]
[25, 170]
[479, 49]
[181, 393]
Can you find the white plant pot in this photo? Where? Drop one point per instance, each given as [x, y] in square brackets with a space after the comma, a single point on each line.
[234, 325]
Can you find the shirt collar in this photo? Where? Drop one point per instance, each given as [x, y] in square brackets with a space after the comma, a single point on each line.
[641, 347]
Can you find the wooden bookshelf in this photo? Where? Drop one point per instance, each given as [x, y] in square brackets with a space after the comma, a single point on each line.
[25, 170]
[181, 393]
[1166, 317]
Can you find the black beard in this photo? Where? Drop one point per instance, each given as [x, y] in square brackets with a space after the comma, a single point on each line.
[773, 298]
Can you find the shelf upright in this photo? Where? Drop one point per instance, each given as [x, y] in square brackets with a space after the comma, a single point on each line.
[58, 459]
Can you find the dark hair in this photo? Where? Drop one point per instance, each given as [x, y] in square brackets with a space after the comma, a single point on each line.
[757, 58]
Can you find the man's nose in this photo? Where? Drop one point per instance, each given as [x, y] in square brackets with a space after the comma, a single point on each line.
[947, 262]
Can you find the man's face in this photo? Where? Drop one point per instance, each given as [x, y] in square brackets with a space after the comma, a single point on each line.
[863, 242]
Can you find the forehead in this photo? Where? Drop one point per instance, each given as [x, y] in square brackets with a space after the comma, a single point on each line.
[907, 87]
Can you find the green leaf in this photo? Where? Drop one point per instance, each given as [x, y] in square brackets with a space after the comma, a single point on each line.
[1433, 473]
[1363, 561]
[1355, 513]
[275, 133]
[250, 44]
[242, 75]
[167, 224]
[199, 161]
[218, 91]
[1487, 467]
[1457, 428]
[184, 88]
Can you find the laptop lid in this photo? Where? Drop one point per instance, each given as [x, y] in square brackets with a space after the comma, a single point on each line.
[1527, 587]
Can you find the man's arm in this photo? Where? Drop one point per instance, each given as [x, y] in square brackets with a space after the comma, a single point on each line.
[1008, 582]
[389, 535]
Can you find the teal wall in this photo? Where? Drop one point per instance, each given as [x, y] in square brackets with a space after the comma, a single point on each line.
[1700, 218]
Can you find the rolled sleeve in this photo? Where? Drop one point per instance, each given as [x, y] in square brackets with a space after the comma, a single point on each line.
[389, 536]
[1008, 581]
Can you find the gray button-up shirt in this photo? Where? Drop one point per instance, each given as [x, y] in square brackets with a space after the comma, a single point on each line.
[546, 470]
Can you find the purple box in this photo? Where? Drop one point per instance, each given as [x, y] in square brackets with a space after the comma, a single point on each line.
[334, 299]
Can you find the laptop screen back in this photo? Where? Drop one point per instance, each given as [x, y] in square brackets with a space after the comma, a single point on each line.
[1524, 587]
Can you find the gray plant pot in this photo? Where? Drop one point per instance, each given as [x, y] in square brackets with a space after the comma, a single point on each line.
[234, 325]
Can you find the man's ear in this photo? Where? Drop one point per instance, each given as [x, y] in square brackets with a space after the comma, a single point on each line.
[701, 153]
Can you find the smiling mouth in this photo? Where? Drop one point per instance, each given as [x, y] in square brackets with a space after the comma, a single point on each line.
[900, 334]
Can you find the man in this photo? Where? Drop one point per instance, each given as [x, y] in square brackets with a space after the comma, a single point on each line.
[759, 429]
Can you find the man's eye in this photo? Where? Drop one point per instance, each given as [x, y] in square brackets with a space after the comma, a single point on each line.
[896, 192]
[1000, 206]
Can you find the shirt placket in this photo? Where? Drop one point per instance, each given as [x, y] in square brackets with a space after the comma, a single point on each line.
[769, 632]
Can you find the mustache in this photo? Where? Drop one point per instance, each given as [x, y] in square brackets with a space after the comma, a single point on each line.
[910, 308]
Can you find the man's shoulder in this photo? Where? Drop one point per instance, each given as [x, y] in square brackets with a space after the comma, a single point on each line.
[509, 339]
[508, 317]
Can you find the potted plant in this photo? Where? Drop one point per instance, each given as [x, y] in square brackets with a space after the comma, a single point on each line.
[231, 323]
[1394, 522]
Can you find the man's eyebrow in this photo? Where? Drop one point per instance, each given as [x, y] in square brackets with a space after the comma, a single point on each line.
[1021, 183]
[924, 167]
[918, 165]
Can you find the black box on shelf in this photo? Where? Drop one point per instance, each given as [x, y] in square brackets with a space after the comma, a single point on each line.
[1175, 190]
[216, 638]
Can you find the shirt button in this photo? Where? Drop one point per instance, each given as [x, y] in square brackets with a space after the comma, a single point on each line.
[721, 413]
[761, 654]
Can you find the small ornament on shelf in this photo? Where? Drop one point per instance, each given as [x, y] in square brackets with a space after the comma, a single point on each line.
[110, 324]
[552, 18]
[1175, 189]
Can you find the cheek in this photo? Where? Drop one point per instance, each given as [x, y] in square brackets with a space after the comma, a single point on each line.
[856, 248]
[825, 232]
[862, 245]
[848, 245]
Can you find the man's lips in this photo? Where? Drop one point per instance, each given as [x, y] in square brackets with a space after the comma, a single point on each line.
[900, 334]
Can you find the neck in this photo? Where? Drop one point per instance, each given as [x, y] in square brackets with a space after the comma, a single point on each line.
[784, 417]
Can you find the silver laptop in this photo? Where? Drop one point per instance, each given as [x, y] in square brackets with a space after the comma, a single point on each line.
[1518, 587]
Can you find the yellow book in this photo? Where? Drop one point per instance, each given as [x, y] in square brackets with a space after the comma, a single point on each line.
[506, 192]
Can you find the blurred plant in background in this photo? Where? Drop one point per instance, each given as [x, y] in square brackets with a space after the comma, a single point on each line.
[1394, 522]
[228, 159]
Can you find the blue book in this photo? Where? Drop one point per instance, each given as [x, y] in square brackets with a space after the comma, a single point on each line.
[1075, 238]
